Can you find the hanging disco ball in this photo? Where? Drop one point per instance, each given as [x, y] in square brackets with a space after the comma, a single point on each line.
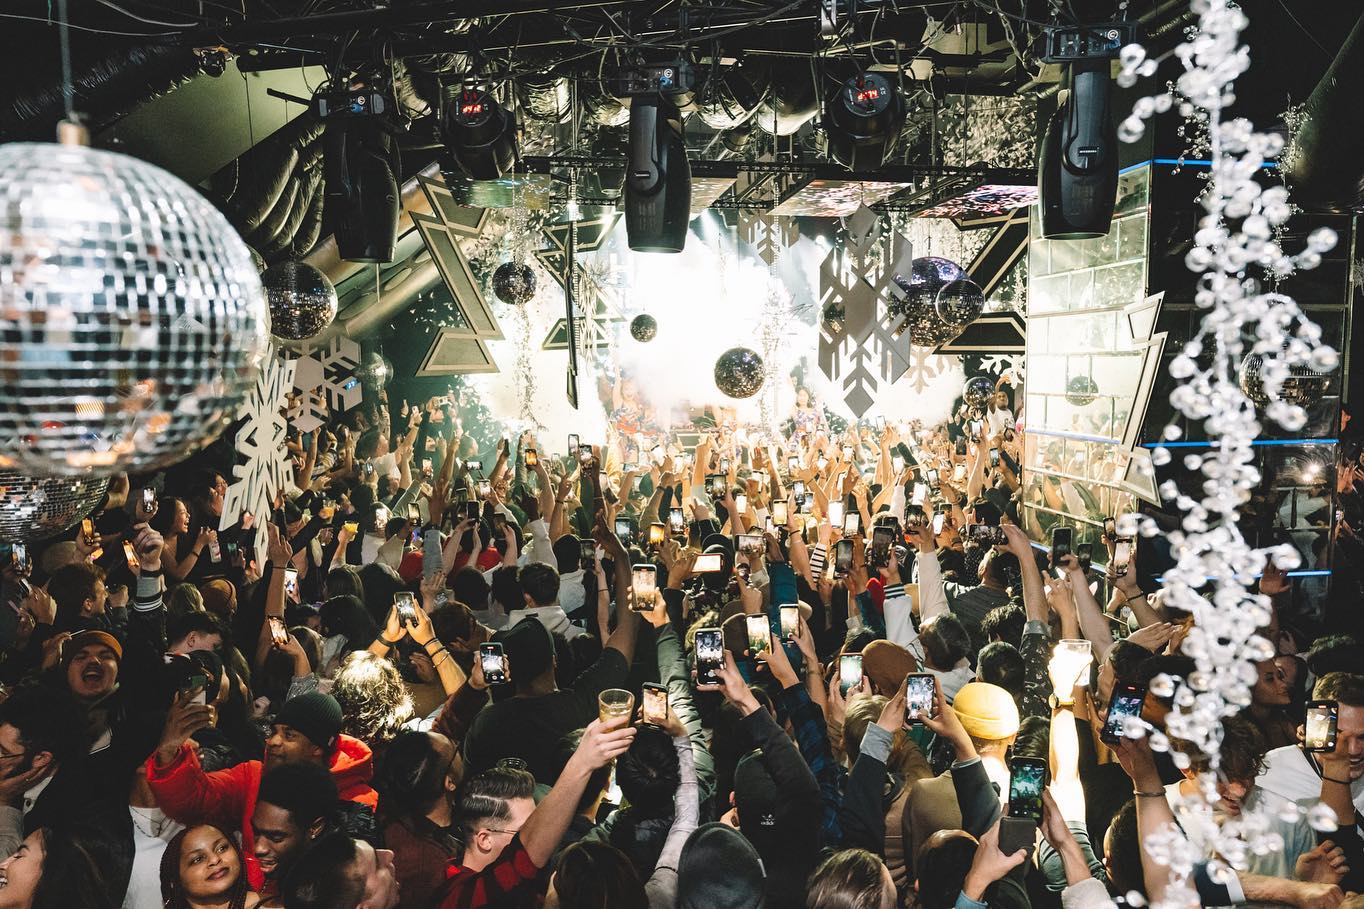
[913, 301]
[375, 370]
[977, 392]
[959, 302]
[302, 301]
[514, 283]
[833, 318]
[1082, 390]
[132, 321]
[35, 509]
[643, 328]
[1302, 386]
[739, 372]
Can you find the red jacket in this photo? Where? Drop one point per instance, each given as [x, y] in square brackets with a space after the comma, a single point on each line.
[228, 797]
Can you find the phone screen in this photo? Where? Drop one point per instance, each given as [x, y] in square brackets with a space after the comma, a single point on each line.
[148, 501]
[836, 512]
[1110, 527]
[849, 672]
[920, 493]
[779, 515]
[715, 485]
[406, 604]
[677, 522]
[657, 454]
[1085, 553]
[852, 523]
[1122, 556]
[708, 562]
[750, 542]
[881, 540]
[790, 621]
[938, 520]
[655, 705]
[1060, 543]
[657, 534]
[279, 635]
[759, 634]
[710, 655]
[291, 582]
[1127, 701]
[1320, 731]
[625, 531]
[472, 510]
[741, 503]
[798, 489]
[532, 457]
[986, 535]
[792, 465]
[1027, 778]
[199, 685]
[131, 556]
[573, 443]
[932, 477]
[494, 663]
[585, 454]
[843, 556]
[920, 694]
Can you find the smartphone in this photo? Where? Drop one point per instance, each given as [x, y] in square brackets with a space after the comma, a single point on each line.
[798, 489]
[1110, 527]
[986, 535]
[427, 469]
[792, 465]
[852, 523]
[849, 672]
[821, 463]
[715, 485]
[291, 583]
[779, 515]
[741, 503]
[472, 511]
[994, 457]
[279, 635]
[881, 540]
[939, 520]
[710, 655]
[584, 454]
[1122, 555]
[494, 663]
[625, 532]
[708, 562]
[1060, 544]
[897, 464]
[1126, 703]
[485, 488]
[657, 534]
[843, 556]
[1085, 553]
[655, 705]
[133, 565]
[931, 475]
[657, 455]
[677, 522]
[587, 554]
[406, 605]
[848, 453]
[880, 424]
[148, 501]
[920, 494]
[88, 532]
[532, 457]
[975, 427]
[199, 684]
[643, 584]
[749, 543]
[958, 473]
[836, 512]
[724, 465]
[473, 465]
[790, 621]
[573, 443]
[369, 469]
[1027, 780]
[1320, 731]
[759, 634]
[921, 694]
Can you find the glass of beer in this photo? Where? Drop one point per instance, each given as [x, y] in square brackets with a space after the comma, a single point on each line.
[615, 702]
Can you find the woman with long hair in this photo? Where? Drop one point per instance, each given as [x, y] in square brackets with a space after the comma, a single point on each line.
[179, 553]
[202, 868]
[61, 868]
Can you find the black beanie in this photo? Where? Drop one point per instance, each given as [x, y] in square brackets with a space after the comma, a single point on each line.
[316, 715]
[719, 869]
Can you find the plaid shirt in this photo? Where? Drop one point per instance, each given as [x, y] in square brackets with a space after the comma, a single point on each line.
[812, 736]
[506, 882]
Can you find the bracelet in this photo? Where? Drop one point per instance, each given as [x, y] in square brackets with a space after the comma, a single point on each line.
[387, 642]
[1331, 779]
[1157, 794]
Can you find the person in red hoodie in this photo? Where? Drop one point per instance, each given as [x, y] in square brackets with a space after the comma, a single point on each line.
[306, 729]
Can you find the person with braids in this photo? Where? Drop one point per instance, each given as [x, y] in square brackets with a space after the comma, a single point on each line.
[202, 868]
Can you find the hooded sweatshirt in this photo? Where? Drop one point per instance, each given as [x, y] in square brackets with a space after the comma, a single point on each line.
[228, 797]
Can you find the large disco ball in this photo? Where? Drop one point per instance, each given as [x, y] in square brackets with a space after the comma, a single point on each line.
[132, 321]
[643, 328]
[1302, 387]
[977, 391]
[302, 300]
[35, 509]
[514, 283]
[1081, 390]
[739, 372]
[959, 302]
[913, 302]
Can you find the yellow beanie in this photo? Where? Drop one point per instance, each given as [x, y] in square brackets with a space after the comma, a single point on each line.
[986, 711]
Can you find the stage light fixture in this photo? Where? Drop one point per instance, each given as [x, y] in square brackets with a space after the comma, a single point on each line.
[480, 134]
[658, 177]
[862, 121]
[360, 171]
[1077, 167]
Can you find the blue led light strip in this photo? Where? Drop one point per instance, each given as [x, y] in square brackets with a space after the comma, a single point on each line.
[1257, 442]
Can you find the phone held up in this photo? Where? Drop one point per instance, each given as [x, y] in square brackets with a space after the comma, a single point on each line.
[655, 705]
[493, 662]
[921, 691]
[1126, 704]
[1320, 728]
[710, 655]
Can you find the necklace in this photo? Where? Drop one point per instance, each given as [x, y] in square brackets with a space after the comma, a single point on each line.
[151, 821]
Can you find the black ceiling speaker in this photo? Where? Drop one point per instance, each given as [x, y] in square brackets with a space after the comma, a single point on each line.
[480, 134]
[1322, 163]
[360, 164]
[657, 177]
[1077, 167]
[863, 121]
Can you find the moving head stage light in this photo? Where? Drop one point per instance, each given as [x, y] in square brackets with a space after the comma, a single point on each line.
[862, 121]
[480, 134]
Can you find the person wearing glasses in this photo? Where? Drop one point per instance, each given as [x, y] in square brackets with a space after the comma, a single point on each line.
[42, 758]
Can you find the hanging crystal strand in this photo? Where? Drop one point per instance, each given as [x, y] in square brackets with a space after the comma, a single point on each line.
[525, 371]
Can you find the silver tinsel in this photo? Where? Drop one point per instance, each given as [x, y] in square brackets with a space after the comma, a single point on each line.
[739, 372]
[35, 509]
[302, 300]
[132, 320]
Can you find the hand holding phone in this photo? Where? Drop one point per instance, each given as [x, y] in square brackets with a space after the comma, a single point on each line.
[493, 662]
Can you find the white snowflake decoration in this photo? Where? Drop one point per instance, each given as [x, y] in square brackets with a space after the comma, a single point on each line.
[339, 358]
[266, 471]
[308, 408]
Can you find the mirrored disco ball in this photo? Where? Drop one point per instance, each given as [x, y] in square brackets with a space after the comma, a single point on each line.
[913, 301]
[977, 391]
[35, 509]
[959, 302]
[644, 328]
[375, 370]
[833, 317]
[302, 300]
[739, 372]
[1081, 390]
[132, 320]
[1302, 386]
[514, 283]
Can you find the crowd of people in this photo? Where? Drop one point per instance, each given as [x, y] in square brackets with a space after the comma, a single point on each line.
[827, 671]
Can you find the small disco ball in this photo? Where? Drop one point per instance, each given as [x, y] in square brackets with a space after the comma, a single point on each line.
[1082, 390]
[302, 300]
[912, 302]
[977, 392]
[833, 317]
[643, 328]
[514, 283]
[1302, 387]
[375, 370]
[959, 302]
[739, 372]
[35, 509]
[132, 322]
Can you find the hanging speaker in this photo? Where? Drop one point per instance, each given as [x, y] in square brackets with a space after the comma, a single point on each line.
[1077, 167]
[658, 177]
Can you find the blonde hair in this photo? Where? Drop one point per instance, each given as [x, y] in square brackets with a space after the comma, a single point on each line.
[374, 701]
